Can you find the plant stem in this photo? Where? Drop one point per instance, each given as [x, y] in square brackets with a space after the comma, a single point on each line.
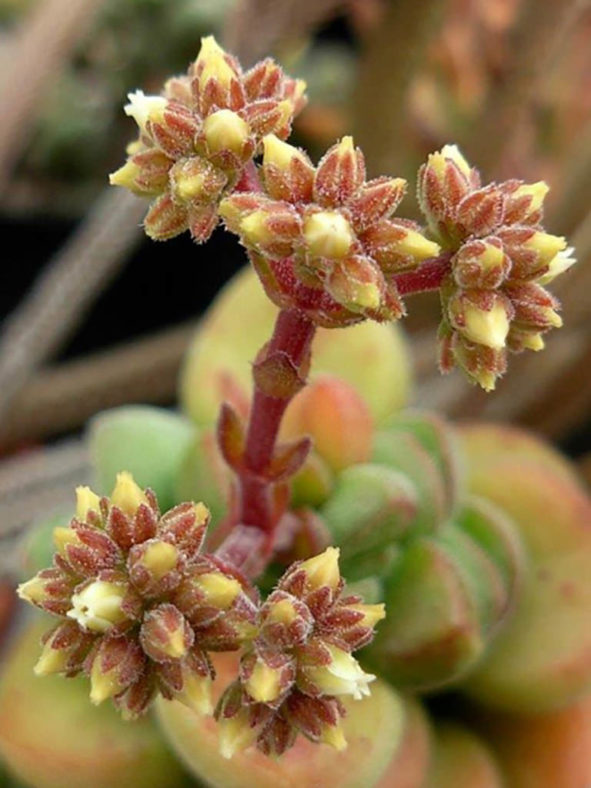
[250, 542]
[425, 278]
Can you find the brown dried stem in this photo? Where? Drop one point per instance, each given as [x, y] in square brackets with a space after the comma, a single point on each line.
[62, 398]
[534, 41]
[255, 27]
[53, 308]
[391, 56]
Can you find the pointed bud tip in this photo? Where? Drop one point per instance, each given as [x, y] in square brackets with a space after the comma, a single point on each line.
[323, 569]
[127, 494]
[86, 501]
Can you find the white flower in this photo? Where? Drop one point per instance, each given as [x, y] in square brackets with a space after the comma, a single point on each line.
[142, 108]
[98, 606]
[558, 265]
[343, 676]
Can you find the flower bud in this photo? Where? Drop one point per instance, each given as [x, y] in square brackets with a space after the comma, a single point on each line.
[480, 264]
[217, 590]
[154, 567]
[98, 607]
[117, 664]
[482, 320]
[86, 501]
[397, 246]
[196, 691]
[452, 154]
[236, 733]
[225, 130]
[341, 676]
[271, 230]
[547, 246]
[127, 176]
[357, 284]
[127, 495]
[328, 234]
[165, 633]
[196, 180]
[372, 614]
[322, 570]
[340, 173]
[165, 219]
[211, 64]
[64, 650]
[50, 590]
[265, 683]
[534, 194]
[287, 171]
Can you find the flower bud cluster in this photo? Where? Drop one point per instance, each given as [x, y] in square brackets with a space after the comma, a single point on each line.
[140, 606]
[196, 139]
[323, 239]
[300, 665]
[494, 299]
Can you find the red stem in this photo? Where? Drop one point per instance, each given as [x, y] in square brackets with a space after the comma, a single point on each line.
[249, 543]
[428, 276]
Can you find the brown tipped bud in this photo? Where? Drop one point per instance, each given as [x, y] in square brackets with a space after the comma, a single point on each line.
[322, 570]
[483, 365]
[481, 316]
[165, 219]
[86, 501]
[357, 284]
[145, 173]
[185, 525]
[525, 204]
[50, 590]
[397, 246]
[174, 132]
[285, 621]
[317, 718]
[340, 173]
[481, 265]
[189, 681]
[287, 171]
[263, 80]
[86, 550]
[195, 180]
[117, 664]
[443, 182]
[267, 676]
[165, 634]
[535, 308]
[376, 200]
[127, 495]
[217, 78]
[272, 230]
[64, 650]
[154, 567]
[225, 130]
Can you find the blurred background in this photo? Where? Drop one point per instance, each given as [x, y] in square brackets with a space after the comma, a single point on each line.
[95, 315]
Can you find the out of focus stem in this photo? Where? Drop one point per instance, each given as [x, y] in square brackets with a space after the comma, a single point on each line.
[250, 542]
